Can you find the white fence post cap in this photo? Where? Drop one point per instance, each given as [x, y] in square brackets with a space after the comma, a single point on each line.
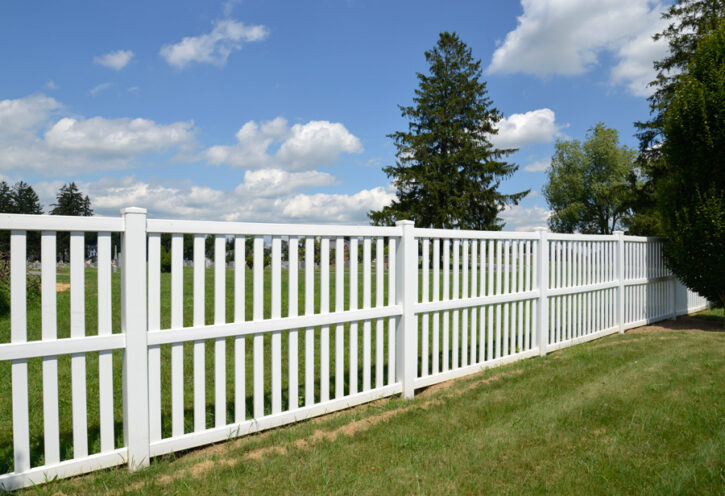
[133, 210]
[404, 223]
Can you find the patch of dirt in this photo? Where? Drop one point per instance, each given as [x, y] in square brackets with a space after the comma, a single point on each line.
[204, 463]
[61, 286]
[683, 323]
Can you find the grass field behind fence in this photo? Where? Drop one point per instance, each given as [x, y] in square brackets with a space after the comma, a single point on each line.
[35, 387]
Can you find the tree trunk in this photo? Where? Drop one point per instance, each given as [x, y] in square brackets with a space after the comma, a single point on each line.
[722, 300]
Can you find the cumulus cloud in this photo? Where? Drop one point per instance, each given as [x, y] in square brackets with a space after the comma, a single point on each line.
[539, 165]
[277, 182]
[530, 128]
[191, 201]
[336, 207]
[301, 147]
[567, 37]
[214, 47]
[634, 69]
[33, 137]
[114, 60]
[519, 218]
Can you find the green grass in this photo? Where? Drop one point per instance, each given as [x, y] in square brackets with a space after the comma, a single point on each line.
[640, 413]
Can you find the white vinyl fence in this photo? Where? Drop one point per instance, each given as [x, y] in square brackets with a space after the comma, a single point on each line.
[345, 316]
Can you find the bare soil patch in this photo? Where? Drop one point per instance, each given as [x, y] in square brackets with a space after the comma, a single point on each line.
[688, 323]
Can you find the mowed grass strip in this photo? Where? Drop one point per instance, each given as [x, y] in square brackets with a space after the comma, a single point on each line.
[642, 413]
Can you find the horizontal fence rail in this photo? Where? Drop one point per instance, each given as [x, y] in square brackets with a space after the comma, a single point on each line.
[154, 336]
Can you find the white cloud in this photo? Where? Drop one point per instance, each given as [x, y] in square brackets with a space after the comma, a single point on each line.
[186, 200]
[32, 137]
[567, 37]
[114, 60]
[212, 48]
[116, 137]
[520, 218]
[635, 69]
[277, 182]
[50, 84]
[96, 89]
[24, 115]
[302, 147]
[530, 128]
[336, 207]
[539, 165]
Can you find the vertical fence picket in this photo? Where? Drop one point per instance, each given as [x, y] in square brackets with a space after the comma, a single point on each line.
[482, 309]
[49, 323]
[309, 310]
[240, 390]
[257, 315]
[474, 293]
[292, 310]
[105, 358]
[379, 302]
[455, 328]
[340, 307]
[199, 345]
[220, 353]
[446, 296]
[353, 325]
[78, 330]
[177, 349]
[506, 290]
[19, 368]
[325, 308]
[154, 324]
[391, 301]
[490, 291]
[464, 312]
[425, 297]
[276, 313]
[367, 350]
[436, 297]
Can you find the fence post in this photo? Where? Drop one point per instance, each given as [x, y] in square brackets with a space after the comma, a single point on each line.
[542, 314]
[620, 279]
[406, 292]
[133, 322]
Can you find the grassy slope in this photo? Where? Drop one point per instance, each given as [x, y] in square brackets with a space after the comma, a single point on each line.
[642, 413]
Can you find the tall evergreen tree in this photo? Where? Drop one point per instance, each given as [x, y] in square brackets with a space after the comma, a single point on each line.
[20, 199]
[7, 202]
[447, 172]
[26, 199]
[71, 201]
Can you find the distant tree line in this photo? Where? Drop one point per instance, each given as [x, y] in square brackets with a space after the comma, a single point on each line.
[21, 198]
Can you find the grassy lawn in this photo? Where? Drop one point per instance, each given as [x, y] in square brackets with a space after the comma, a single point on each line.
[640, 413]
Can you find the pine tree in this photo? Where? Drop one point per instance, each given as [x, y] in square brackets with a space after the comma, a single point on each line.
[70, 201]
[447, 172]
[26, 199]
[7, 202]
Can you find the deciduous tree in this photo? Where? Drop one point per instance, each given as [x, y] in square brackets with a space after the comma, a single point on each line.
[589, 184]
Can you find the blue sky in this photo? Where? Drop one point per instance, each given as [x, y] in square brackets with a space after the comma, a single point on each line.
[278, 111]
